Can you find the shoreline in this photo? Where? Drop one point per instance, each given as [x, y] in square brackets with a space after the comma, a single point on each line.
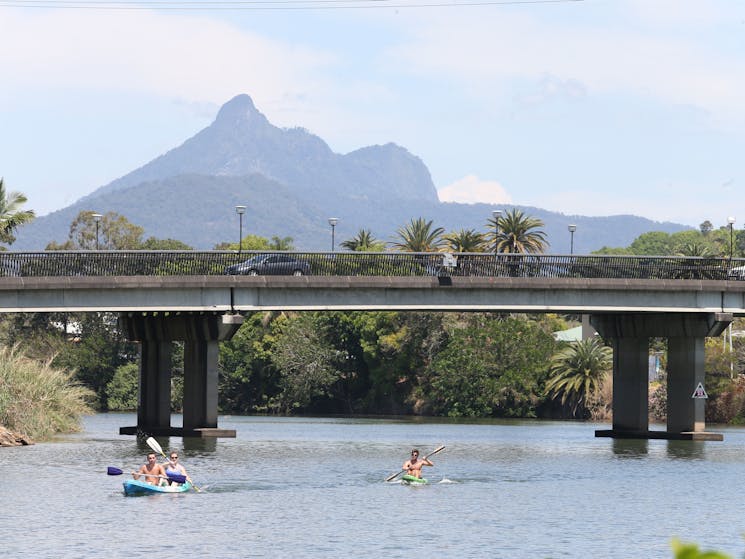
[11, 438]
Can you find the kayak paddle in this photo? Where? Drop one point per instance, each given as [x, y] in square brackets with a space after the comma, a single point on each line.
[435, 451]
[178, 478]
[152, 443]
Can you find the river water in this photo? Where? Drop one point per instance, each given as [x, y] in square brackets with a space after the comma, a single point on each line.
[300, 487]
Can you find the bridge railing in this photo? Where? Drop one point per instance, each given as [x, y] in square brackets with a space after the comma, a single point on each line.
[191, 263]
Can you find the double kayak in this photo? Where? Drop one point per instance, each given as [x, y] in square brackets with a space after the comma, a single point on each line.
[137, 487]
[412, 480]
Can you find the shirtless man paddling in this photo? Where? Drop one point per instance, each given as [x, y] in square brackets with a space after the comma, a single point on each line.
[154, 473]
[413, 466]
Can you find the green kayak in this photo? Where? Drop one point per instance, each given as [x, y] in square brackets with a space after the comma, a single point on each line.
[411, 480]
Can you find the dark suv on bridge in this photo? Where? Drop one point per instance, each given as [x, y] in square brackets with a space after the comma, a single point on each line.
[270, 265]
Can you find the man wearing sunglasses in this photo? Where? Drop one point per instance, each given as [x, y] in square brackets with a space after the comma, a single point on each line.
[413, 466]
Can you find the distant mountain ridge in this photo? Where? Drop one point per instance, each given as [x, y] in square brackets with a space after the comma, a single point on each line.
[291, 182]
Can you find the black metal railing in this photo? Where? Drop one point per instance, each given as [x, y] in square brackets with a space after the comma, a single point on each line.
[191, 263]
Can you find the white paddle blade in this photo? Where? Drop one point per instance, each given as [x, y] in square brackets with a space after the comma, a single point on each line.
[152, 443]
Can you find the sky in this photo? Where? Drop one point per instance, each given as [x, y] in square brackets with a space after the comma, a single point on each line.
[585, 107]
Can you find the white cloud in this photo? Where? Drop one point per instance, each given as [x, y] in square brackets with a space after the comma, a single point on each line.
[193, 58]
[472, 190]
[673, 65]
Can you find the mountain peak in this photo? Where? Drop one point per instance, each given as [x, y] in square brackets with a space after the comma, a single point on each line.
[240, 108]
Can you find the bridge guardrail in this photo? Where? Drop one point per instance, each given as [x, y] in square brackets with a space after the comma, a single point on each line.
[401, 264]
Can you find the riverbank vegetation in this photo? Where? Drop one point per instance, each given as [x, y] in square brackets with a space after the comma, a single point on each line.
[38, 399]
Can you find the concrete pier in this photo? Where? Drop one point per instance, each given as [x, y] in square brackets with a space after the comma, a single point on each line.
[686, 333]
[201, 334]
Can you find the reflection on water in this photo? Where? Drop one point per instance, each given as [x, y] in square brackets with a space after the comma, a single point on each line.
[686, 450]
[630, 448]
[314, 488]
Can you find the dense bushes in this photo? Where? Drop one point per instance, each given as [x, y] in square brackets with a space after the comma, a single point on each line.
[37, 399]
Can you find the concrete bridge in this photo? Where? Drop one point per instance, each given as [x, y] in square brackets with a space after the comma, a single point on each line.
[167, 296]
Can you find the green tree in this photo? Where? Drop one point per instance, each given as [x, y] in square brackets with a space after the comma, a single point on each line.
[248, 379]
[419, 236]
[101, 348]
[11, 215]
[465, 240]
[694, 249]
[281, 243]
[307, 364]
[114, 232]
[654, 243]
[249, 242]
[491, 366]
[121, 391]
[577, 372]
[518, 233]
[363, 241]
[151, 243]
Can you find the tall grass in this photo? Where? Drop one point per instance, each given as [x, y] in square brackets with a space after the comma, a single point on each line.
[38, 400]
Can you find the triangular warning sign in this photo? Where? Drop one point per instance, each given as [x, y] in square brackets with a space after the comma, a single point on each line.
[700, 392]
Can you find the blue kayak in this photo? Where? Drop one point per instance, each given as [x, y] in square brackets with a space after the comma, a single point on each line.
[137, 487]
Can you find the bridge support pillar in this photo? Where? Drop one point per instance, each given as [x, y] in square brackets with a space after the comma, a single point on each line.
[154, 402]
[630, 385]
[685, 370]
[201, 334]
[686, 333]
[200, 385]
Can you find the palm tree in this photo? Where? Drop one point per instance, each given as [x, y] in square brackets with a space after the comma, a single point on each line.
[281, 243]
[418, 236]
[517, 233]
[465, 240]
[694, 249]
[11, 216]
[577, 371]
[364, 241]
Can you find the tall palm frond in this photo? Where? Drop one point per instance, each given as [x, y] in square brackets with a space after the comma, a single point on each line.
[419, 236]
[518, 233]
[465, 240]
[363, 241]
[11, 215]
[694, 249]
[577, 371]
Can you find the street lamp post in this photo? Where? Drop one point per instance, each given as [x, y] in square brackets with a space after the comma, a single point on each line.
[240, 210]
[572, 228]
[332, 222]
[97, 219]
[497, 214]
[731, 221]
